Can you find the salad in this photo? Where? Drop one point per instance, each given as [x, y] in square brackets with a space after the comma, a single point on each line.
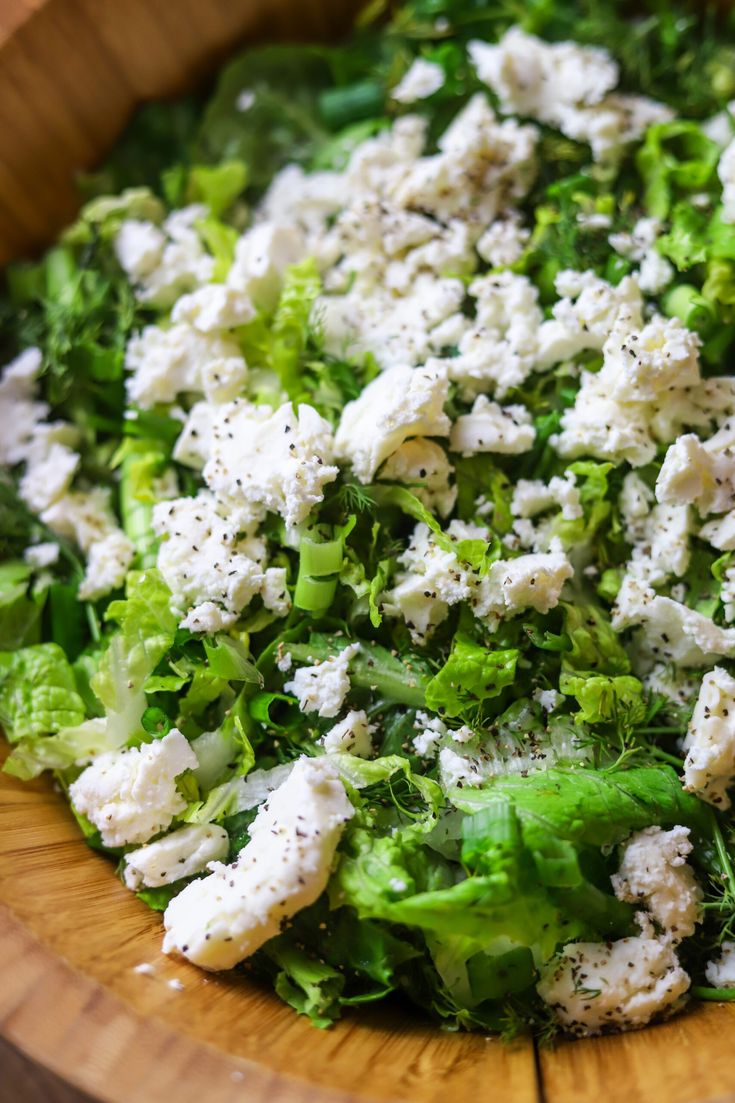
[367, 515]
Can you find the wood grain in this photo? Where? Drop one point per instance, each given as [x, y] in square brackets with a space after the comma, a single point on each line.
[72, 71]
[70, 938]
[25, 1081]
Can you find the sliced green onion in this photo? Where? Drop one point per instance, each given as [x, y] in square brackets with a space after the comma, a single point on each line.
[317, 560]
[717, 994]
[363, 100]
[314, 595]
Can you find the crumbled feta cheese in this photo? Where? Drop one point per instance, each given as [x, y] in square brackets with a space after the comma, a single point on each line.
[726, 173]
[672, 631]
[20, 413]
[538, 79]
[500, 348]
[431, 730]
[678, 687]
[43, 555]
[700, 474]
[459, 770]
[505, 430]
[274, 591]
[661, 544]
[194, 443]
[720, 971]
[208, 558]
[599, 426]
[212, 308]
[262, 255]
[399, 403]
[164, 264]
[219, 920]
[640, 245]
[566, 86]
[481, 161]
[432, 580]
[139, 247]
[48, 477]
[587, 313]
[709, 768]
[397, 329]
[532, 496]
[423, 465]
[322, 688]
[270, 460]
[641, 364]
[164, 363]
[351, 736]
[207, 617]
[421, 80]
[86, 518]
[648, 375]
[108, 561]
[598, 986]
[503, 242]
[549, 699]
[131, 795]
[528, 582]
[307, 200]
[183, 853]
[655, 273]
[655, 874]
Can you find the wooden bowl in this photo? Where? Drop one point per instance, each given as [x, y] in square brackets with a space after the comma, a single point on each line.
[71, 936]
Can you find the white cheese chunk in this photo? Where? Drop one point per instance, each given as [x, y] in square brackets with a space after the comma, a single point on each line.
[165, 263]
[20, 412]
[499, 350]
[528, 582]
[654, 873]
[262, 255]
[270, 460]
[532, 496]
[672, 631]
[213, 308]
[423, 466]
[432, 580]
[597, 986]
[709, 768]
[422, 79]
[131, 795]
[350, 736]
[219, 920]
[322, 688]
[400, 403]
[566, 86]
[504, 430]
[208, 558]
[720, 970]
[108, 562]
[42, 555]
[164, 363]
[183, 853]
[503, 242]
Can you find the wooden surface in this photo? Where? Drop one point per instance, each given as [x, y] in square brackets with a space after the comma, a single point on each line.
[25, 1081]
[71, 72]
[76, 1015]
[71, 936]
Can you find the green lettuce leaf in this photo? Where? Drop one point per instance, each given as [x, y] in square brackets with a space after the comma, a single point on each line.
[472, 674]
[38, 694]
[147, 628]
